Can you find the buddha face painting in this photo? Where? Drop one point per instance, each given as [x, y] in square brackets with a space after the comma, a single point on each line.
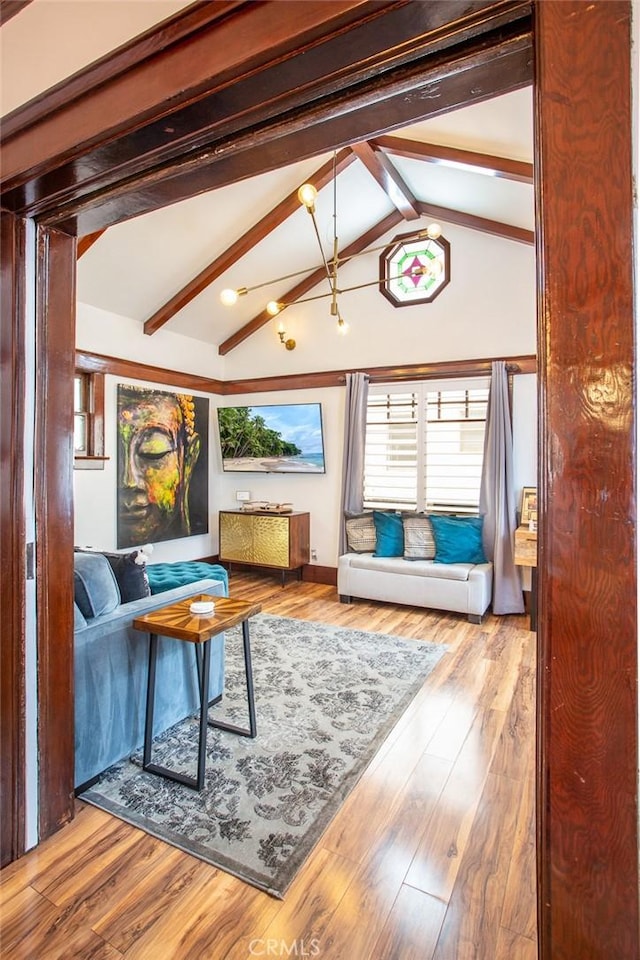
[158, 448]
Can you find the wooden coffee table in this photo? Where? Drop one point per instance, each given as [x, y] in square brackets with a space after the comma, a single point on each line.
[177, 622]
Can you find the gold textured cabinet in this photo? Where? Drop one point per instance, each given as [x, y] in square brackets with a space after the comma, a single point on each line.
[280, 541]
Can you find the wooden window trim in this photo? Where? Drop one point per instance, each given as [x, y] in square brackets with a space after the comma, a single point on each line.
[94, 457]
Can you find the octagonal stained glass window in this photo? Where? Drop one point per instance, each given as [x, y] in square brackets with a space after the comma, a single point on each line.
[414, 269]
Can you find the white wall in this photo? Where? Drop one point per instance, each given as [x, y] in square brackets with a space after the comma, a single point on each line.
[95, 491]
[487, 310]
[99, 331]
[525, 431]
[318, 494]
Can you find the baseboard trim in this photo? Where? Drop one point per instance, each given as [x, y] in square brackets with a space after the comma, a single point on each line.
[314, 573]
[311, 572]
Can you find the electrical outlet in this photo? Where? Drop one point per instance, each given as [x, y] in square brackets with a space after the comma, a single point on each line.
[314, 554]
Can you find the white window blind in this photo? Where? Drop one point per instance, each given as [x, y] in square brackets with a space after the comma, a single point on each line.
[424, 446]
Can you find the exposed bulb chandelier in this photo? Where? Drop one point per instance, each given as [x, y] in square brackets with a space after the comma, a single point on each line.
[307, 195]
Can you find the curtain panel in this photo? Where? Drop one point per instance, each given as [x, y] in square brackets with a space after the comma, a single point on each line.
[497, 496]
[355, 428]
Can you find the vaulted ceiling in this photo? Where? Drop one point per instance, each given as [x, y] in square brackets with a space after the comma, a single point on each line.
[471, 167]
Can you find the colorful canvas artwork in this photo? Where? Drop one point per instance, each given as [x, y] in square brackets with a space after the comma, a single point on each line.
[163, 455]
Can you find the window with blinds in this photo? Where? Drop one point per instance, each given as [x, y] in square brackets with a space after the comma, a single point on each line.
[424, 446]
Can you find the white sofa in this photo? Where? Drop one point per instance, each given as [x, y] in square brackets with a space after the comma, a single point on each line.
[456, 587]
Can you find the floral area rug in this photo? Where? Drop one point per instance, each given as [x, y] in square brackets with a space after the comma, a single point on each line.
[326, 698]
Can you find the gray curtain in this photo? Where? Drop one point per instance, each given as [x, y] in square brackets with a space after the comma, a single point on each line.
[497, 496]
[355, 426]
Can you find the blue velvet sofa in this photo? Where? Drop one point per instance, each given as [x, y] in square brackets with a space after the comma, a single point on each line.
[110, 667]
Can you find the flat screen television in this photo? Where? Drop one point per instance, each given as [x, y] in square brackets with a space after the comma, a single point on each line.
[276, 438]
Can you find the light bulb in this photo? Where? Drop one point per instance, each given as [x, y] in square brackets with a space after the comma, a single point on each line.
[343, 327]
[435, 268]
[229, 297]
[307, 195]
[273, 308]
[434, 230]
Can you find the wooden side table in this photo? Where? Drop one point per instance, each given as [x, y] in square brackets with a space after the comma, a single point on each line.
[526, 555]
[177, 622]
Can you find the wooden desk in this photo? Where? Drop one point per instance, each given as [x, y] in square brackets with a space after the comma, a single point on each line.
[526, 555]
[177, 622]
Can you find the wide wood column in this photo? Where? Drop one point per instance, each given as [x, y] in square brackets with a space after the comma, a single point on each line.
[587, 705]
[12, 562]
[55, 358]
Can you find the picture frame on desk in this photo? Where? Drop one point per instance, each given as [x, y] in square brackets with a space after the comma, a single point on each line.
[529, 508]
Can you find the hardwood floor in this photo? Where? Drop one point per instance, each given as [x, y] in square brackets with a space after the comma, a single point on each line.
[432, 856]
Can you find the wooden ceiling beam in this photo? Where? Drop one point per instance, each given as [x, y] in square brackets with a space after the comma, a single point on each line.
[485, 163]
[9, 8]
[253, 236]
[87, 241]
[383, 172]
[495, 227]
[311, 281]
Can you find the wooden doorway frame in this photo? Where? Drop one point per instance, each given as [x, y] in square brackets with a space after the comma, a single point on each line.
[587, 697]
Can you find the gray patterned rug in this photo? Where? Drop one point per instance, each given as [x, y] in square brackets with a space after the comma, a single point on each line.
[326, 698]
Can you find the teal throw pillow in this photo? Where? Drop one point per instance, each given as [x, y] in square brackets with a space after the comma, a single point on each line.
[458, 539]
[389, 534]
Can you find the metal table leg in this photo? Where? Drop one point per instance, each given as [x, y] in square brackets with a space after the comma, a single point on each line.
[248, 672]
[198, 782]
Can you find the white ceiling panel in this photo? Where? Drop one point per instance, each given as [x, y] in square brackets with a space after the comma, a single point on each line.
[502, 126]
[137, 266]
[493, 197]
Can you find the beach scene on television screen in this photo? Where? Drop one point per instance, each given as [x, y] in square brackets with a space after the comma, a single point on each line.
[276, 438]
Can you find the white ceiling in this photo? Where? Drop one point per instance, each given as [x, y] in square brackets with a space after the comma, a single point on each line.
[136, 266]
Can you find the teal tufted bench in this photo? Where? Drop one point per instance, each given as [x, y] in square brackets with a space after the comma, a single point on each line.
[166, 576]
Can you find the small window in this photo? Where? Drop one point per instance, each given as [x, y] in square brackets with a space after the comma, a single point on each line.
[88, 418]
[81, 414]
[415, 269]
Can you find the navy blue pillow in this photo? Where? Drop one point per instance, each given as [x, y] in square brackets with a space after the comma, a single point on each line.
[131, 577]
[458, 539]
[389, 534]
